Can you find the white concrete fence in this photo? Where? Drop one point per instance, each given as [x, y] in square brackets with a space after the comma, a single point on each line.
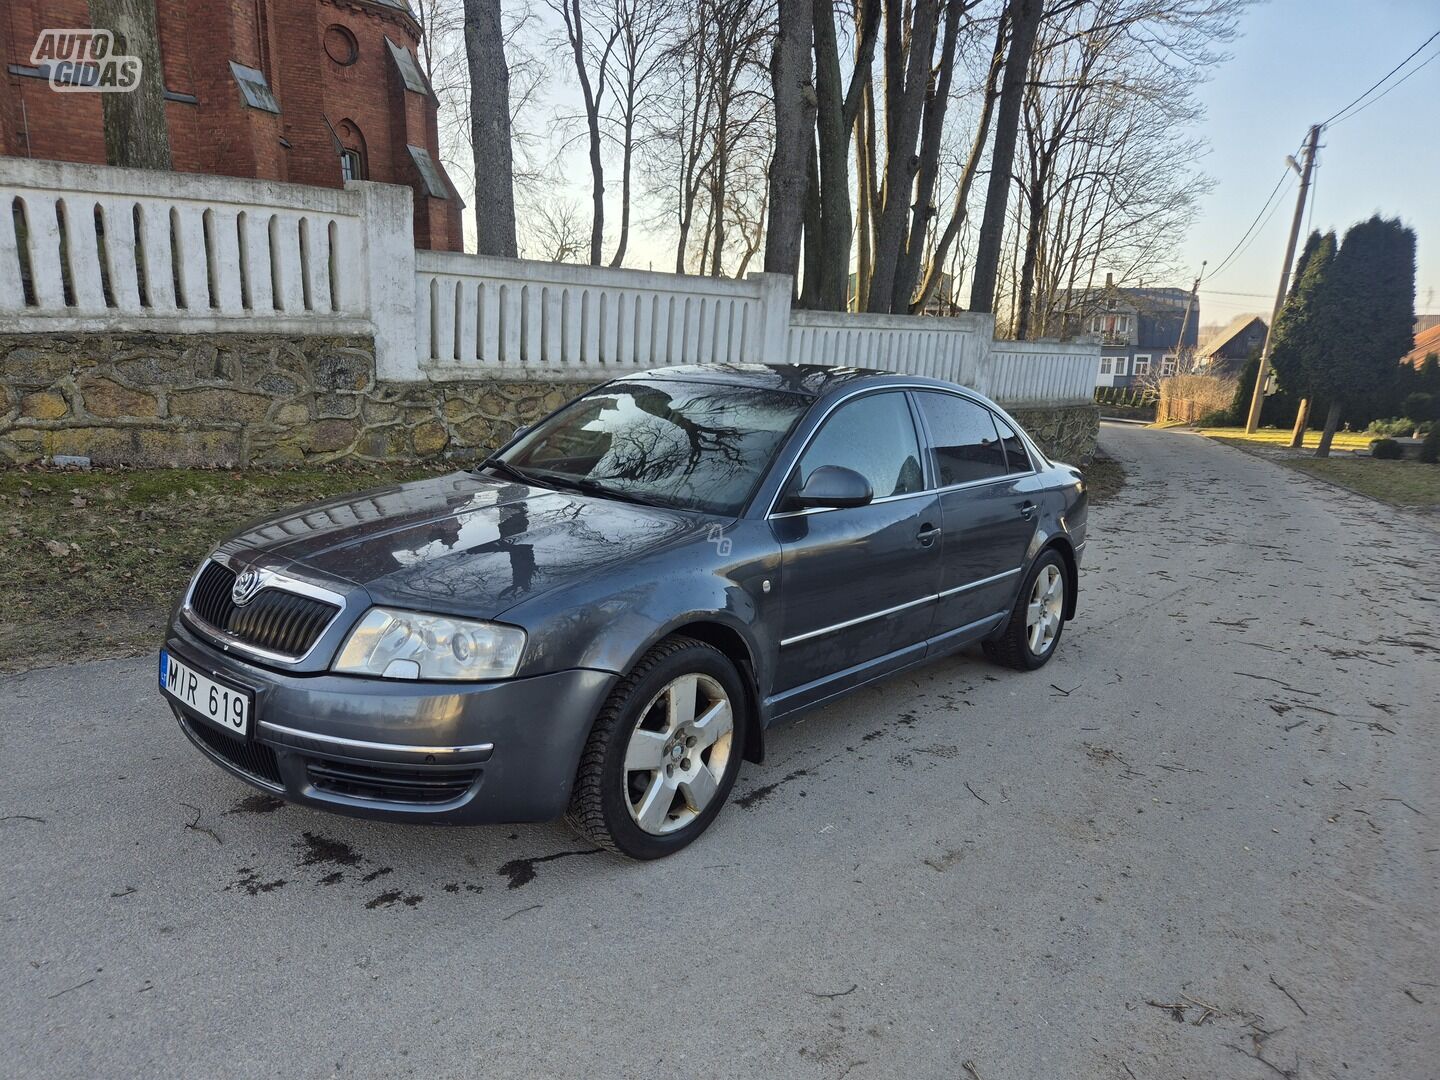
[87, 248]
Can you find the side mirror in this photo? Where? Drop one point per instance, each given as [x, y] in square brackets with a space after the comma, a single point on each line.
[521, 430]
[834, 486]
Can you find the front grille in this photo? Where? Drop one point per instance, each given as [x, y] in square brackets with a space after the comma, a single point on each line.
[395, 784]
[274, 620]
[252, 758]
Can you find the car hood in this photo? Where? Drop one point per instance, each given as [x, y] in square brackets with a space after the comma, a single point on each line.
[463, 544]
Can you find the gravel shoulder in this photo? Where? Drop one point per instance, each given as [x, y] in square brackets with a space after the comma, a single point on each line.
[1199, 844]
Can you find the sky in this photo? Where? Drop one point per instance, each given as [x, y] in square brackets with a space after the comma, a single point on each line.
[1292, 64]
[1296, 63]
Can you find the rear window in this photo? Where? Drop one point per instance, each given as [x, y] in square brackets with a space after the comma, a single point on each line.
[965, 445]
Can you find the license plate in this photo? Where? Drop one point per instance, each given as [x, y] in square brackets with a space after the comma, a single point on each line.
[225, 706]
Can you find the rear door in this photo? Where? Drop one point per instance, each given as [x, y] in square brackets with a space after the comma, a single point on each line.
[857, 583]
[988, 520]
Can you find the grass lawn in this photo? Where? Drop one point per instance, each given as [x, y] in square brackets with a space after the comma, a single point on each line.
[1403, 483]
[91, 561]
[1344, 440]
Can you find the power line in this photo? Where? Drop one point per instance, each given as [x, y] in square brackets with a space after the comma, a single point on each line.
[1382, 80]
[1397, 83]
[1225, 262]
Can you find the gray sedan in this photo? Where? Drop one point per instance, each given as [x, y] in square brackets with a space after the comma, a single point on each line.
[602, 619]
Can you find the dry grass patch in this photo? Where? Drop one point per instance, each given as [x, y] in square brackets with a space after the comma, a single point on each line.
[92, 561]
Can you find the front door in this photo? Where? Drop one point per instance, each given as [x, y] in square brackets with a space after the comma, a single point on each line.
[988, 518]
[858, 583]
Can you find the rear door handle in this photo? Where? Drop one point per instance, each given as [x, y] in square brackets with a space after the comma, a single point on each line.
[927, 534]
[1027, 511]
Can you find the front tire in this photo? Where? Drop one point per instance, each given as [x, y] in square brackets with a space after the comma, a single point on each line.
[663, 753]
[1032, 634]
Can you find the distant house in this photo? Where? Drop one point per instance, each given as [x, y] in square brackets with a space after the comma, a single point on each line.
[1426, 342]
[1139, 330]
[1225, 353]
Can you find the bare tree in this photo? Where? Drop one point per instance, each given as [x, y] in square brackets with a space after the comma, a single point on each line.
[490, 128]
[794, 92]
[644, 27]
[590, 36]
[557, 232]
[1023, 17]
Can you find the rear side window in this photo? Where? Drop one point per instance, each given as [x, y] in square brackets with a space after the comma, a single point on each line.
[875, 436]
[966, 446]
[1017, 458]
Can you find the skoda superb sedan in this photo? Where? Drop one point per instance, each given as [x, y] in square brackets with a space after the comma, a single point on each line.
[602, 619]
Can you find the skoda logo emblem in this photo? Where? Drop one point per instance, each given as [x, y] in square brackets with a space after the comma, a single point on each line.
[245, 587]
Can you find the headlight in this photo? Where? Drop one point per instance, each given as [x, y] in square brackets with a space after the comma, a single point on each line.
[408, 645]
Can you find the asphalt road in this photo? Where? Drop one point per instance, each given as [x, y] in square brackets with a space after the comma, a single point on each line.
[1201, 843]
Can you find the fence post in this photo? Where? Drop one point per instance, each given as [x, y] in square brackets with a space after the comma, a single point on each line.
[771, 344]
[388, 267]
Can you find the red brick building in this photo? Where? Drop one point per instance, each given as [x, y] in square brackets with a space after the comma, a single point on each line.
[306, 91]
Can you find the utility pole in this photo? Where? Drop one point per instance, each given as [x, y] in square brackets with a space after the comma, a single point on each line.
[1262, 376]
[1185, 319]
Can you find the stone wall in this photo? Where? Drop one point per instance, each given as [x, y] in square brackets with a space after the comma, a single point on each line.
[1067, 432]
[232, 399]
[236, 399]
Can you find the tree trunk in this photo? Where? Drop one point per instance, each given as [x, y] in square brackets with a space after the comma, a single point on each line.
[1024, 17]
[136, 134]
[619, 257]
[833, 134]
[810, 292]
[937, 98]
[1035, 228]
[959, 212]
[906, 80]
[1332, 421]
[1302, 418]
[490, 129]
[794, 124]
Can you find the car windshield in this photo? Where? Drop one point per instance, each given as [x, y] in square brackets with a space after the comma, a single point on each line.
[691, 446]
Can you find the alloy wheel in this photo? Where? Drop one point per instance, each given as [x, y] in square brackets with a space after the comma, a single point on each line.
[678, 753]
[1046, 609]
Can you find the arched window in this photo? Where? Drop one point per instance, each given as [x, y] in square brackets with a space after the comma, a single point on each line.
[353, 164]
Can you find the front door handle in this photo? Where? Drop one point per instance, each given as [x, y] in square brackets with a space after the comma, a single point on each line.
[1027, 511]
[927, 534]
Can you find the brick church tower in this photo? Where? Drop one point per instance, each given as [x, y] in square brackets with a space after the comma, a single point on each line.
[305, 91]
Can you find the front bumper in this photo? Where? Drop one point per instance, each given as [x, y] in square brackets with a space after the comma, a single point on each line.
[444, 753]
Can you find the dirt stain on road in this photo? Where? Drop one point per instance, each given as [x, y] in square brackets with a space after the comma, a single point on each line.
[522, 871]
[323, 851]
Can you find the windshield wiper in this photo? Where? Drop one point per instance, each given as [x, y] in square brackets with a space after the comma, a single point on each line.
[502, 466]
[593, 487]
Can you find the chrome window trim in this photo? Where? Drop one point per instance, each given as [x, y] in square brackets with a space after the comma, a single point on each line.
[1034, 453]
[980, 583]
[364, 744]
[270, 579]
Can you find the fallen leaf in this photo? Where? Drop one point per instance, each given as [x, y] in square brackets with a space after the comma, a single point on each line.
[57, 548]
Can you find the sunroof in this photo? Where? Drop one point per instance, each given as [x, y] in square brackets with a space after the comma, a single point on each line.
[253, 88]
[409, 69]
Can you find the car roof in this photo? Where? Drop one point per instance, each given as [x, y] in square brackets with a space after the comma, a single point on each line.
[809, 380]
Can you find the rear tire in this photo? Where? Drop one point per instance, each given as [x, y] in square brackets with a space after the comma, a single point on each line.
[1032, 634]
[663, 754]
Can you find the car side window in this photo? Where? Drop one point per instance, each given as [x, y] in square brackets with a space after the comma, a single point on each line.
[875, 436]
[966, 446]
[1017, 458]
